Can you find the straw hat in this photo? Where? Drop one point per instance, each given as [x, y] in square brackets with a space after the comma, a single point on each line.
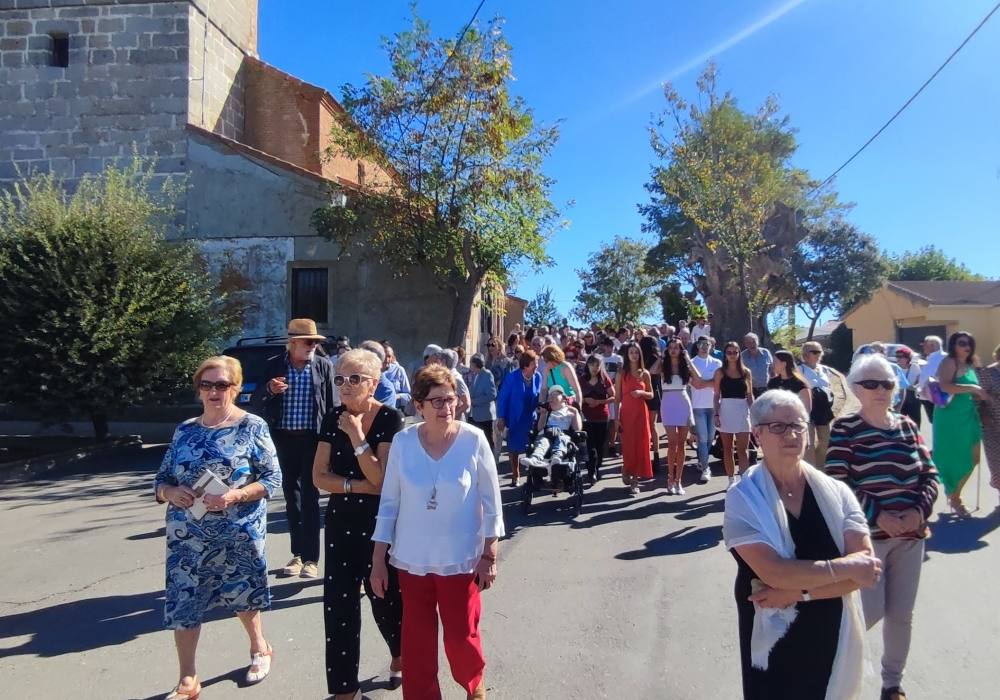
[303, 328]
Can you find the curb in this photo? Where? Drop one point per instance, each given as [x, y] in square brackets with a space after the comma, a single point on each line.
[45, 465]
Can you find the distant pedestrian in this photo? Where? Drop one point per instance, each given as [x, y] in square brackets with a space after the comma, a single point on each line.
[933, 354]
[957, 430]
[482, 397]
[296, 392]
[633, 388]
[787, 377]
[802, 548]
[385, 392]
[449, 358]
[821, 382]
[652, 360]
[759, 361]
[612, 365]
[349, 464]
[396, 375]
[678, 374]
[879, 454]
[598, 395]
[911, 404]
[989, 380]
[703, 404]
[216, 557]
[516, 405]
[733, 398]
[440, 519]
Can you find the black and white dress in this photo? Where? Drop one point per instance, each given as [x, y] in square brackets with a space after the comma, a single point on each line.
[801, 662]
[350, 522]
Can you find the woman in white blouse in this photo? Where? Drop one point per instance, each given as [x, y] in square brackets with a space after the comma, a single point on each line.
[439, 518]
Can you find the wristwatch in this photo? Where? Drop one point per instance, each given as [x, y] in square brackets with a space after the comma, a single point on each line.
[360, 449]
[805, 596]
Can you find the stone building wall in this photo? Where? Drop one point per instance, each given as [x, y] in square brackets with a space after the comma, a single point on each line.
[125, 84]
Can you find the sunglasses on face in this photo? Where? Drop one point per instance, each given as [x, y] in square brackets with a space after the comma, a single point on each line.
[353, 379]
[732, 353]
[218, 386]
[962, 343]
[440, 402]
[814, 352]
[778, 428]
[311, 343]
[873, 384]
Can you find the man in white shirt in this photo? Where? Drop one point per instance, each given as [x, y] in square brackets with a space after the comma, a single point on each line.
[701, 330]
[933, 354]
[703, 404]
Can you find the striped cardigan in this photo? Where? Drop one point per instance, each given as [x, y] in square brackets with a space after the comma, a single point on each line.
[888, 469]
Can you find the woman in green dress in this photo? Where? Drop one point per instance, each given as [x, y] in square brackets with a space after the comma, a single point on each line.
[957, 431]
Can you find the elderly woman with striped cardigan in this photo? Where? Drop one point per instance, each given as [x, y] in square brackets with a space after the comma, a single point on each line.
[881, 456]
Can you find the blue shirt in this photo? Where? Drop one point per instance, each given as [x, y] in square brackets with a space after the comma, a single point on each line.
[299, 404]
[385, 394]
[400, 382]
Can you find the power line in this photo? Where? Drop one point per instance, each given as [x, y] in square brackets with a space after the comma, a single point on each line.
[912, 98]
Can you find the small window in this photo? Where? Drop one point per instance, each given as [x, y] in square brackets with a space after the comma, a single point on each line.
[60, 50]
[309, 294]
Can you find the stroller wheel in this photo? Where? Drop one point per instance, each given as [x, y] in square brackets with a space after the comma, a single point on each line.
[526, 496]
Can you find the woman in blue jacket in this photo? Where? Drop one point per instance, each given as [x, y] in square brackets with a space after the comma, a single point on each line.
[516, 406]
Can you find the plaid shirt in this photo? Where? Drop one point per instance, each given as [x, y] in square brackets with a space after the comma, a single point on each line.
[299, 407]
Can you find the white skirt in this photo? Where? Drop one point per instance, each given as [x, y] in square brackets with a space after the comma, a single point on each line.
[734, 416]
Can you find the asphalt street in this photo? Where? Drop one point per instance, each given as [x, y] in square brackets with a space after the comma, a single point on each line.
[633, 599]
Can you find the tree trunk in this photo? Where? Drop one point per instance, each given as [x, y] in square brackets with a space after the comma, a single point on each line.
[812, 327]
[461, 312]
[731, 316]
[100, 422]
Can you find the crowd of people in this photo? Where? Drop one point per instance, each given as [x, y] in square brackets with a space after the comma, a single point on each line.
[827, 529]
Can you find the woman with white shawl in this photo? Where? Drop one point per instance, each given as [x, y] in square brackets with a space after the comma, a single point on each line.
[803, 550]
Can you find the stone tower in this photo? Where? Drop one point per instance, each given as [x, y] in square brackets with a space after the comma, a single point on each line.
[81, 81]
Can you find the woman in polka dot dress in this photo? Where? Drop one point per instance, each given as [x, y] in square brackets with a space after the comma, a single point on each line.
[350, 464]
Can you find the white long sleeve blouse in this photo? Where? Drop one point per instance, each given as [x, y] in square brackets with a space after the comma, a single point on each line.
[447, 539]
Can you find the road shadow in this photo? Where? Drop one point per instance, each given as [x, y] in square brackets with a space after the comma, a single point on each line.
[684, 541]
[113, 620]
[951, 535]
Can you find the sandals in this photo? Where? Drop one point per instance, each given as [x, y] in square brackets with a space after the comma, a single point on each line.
[178, 694]
[262, 662]
[958, 508]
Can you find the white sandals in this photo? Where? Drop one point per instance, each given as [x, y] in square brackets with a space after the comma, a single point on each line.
[262, 662]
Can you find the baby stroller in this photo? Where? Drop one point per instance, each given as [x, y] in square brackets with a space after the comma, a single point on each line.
[566, 474]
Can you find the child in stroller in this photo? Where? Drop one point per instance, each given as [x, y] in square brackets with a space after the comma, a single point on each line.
[556, 427]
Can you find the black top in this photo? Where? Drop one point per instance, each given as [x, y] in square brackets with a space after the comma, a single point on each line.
[732, 388]
[801, 662]
[792, 384]
[387, 422]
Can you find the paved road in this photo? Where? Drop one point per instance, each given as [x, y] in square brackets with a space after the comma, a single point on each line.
[631, 600]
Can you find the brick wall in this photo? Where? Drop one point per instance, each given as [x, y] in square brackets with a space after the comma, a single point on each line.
[126, 83]
[283, 116]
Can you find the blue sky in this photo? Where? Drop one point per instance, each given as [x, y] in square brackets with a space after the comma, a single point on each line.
[839, 68]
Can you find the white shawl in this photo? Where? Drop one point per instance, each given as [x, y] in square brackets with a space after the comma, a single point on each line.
[755, 514]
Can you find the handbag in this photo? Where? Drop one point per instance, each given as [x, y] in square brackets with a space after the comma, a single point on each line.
[939, 397]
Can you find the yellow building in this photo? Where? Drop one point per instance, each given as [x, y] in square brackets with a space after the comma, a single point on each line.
[905, 312]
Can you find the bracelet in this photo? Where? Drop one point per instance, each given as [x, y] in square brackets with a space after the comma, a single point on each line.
[829, 566]
[347, 486]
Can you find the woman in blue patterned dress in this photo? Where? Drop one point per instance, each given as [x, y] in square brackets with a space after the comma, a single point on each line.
[217, 560]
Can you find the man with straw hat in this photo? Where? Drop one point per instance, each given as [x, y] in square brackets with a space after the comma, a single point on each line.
[295, 394]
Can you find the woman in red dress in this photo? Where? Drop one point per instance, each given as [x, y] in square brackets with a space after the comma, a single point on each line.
[633, 387]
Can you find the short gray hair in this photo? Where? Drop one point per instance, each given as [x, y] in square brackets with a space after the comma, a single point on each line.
[751, 335]
[360, 357]
[374, 346]
[448, 358]
[773, 399]
[936, 339]
[478, 360]
[863, 366]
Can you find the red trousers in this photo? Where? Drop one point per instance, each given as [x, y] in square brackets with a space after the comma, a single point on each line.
[456, 598]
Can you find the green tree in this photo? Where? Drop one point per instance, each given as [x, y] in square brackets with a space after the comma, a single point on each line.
[465, 196]
[928, 263]
[727, 205]
[98, 310]
[836, 267]
[616, 286]
[542, 311]
[675, 304]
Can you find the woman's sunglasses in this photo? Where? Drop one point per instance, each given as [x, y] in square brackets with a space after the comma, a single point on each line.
[962, 343]
[218, 386]
[732, 353]
[873, 384]
[353, 379]
[778, 428]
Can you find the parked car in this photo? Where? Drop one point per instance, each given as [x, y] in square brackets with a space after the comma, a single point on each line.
[890, 352]
[253, 353]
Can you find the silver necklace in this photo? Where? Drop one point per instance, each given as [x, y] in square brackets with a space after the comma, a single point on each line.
[225, 418]
[432, 503]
